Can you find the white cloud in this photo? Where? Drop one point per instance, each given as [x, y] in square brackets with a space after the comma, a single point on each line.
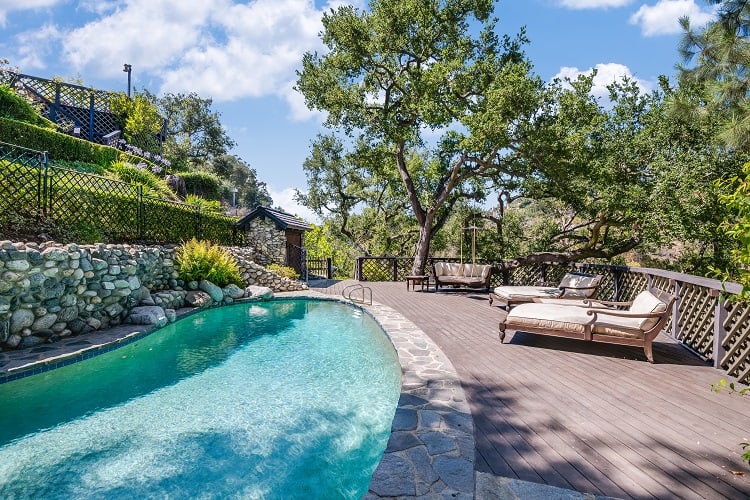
[35, 46]
[7, 6]
[593, 4]
[606, 74]
[222, 49]
[285, 200]
[662, 18]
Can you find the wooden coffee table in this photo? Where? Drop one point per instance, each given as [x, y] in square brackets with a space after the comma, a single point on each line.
[417, 279]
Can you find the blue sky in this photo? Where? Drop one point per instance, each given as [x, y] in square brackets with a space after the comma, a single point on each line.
[244, 55]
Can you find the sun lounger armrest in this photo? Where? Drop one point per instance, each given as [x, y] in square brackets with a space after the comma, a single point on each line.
[623, 314]
[613, 303]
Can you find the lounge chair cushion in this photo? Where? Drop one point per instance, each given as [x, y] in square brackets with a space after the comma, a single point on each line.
[584, 282]
[571, 319]
[644, 303]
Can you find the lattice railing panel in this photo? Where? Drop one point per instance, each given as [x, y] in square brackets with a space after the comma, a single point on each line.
[74, 103]
[665, 284]
[526, 275]
[630, 285]
[403, 268]
[697, 308]
[377, 270]
[101, 207]
[21, 172]
[736, 361]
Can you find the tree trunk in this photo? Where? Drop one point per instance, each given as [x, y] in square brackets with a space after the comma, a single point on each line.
[423, 246]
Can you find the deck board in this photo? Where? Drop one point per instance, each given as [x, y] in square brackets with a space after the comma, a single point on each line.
[592, 417]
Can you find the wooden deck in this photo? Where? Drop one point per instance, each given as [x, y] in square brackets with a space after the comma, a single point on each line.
[591, 417]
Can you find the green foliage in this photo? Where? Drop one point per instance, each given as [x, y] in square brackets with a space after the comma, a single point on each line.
[325, 241]
[720, 53]
[15, 107]
[203, 184]
[201, 260]
[194, 132]
[283, 271]
[80, 166]
[141, 119]
[153, 185]
[238, 175]
[722, 386]
[59, 146]
[412, 48]
[737, 227]
[203, 204]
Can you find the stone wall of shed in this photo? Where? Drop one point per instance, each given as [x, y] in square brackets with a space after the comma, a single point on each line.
[265, 242]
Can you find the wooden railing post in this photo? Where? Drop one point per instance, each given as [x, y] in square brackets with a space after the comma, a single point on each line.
[395, 269]
[720, 333]
[676, 310]
[358, 269]
[616, 279]
[329, 268]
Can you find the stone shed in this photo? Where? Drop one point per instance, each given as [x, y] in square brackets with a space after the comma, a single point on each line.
[275, 236]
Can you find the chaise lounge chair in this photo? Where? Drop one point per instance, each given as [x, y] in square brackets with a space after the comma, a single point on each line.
[572, 286]
[596, 321]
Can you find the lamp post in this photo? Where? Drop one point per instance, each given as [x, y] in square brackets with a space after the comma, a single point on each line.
[127, 68]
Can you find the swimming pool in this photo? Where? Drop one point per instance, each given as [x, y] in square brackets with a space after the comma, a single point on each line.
[285, 399]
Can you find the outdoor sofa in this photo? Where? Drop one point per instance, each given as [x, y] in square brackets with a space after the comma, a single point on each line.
[462, 275]
[574, 285]
[596, 320]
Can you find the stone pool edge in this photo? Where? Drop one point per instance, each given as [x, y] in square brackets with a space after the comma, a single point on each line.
[430, 453]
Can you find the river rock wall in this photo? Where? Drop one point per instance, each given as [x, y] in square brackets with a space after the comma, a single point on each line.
[49, 291]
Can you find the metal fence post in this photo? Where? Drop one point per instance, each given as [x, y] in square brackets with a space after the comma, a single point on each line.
[329, 268]
[140, 223]
[42, 187]
[91, 117]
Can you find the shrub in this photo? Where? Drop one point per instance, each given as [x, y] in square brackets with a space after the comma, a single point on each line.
[202, 260]
[202, 184]
[213, 206]
[15, 107]
[155, 186]
[284, 271]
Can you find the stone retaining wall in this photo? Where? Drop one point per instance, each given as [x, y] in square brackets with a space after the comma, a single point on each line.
[49, 291]
[255, 274]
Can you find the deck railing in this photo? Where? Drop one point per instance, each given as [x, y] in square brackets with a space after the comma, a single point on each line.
[320, 267]
[703, 319]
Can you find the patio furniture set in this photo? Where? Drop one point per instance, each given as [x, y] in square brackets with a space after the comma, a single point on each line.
[569, 309]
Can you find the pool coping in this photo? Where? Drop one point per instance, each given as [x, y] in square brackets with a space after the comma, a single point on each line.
[430, 452]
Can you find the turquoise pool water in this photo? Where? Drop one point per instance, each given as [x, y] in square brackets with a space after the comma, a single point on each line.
[284, 399]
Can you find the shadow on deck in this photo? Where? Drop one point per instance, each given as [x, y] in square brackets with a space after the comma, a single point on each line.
[596, 418]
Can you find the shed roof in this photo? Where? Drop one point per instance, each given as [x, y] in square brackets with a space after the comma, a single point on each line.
[282, 219]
